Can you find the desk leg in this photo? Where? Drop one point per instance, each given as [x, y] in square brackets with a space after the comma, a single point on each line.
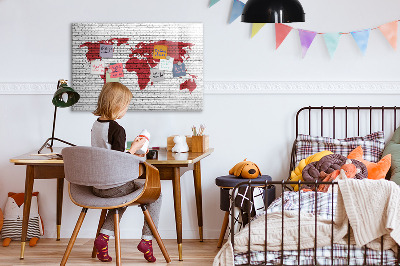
[27, 206]
[176, 182]
[60, 190]
[199, 204]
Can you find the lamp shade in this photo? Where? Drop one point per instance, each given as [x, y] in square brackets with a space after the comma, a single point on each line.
[273, 11]
[65, 96]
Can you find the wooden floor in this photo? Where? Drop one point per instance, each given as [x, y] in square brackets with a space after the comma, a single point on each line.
[50, 252]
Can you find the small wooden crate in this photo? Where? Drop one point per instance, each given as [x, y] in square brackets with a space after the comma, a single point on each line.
[171, 143]
[200, 143]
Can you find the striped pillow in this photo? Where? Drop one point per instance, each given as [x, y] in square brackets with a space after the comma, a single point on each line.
[372, 145]
[13, 228]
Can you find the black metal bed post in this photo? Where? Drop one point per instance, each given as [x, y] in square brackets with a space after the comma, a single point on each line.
[322, 120]
[370, 120]
[334, 120]
[383, 118]
[365, 254]
[309, 120]
[358, 120]
[292, 158]
[315, 221]
[298, 238]
[333, 192]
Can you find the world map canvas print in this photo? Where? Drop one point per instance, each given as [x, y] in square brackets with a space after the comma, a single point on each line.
[161, 63]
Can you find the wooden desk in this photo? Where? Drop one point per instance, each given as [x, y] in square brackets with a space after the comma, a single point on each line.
[168, 164]
[40, 167]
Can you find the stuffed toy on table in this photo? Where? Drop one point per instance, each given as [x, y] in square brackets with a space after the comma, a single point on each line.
[13, 215]
[245, 169]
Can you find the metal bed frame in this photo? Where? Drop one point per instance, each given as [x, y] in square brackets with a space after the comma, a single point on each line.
[283, 184]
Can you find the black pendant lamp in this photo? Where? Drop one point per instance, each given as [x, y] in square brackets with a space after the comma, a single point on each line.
[273, 11]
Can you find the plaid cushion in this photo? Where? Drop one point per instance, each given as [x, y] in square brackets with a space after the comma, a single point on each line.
[372, 145]
[305, 201]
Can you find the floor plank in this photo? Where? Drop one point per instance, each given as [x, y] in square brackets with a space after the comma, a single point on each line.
[50, 252]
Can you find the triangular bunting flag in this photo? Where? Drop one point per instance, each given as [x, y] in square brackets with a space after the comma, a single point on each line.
[306, 39]
[332, 41]
[390, 32]
[256, 27]
[361, 37]
[281, 31]
[213, 2]
[237, 9]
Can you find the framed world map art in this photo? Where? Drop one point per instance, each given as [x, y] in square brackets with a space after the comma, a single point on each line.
[161, 63]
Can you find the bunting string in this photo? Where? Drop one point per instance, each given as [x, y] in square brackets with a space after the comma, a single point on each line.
[343, 33]
[361, 37]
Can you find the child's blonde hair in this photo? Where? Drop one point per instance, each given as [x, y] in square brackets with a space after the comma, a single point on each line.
[113, 97]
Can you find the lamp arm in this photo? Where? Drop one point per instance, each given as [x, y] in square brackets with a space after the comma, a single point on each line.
[54, 119]
[54, 126]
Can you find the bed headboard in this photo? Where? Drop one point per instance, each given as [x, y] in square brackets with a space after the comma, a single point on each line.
[344, 121]
[347, 115]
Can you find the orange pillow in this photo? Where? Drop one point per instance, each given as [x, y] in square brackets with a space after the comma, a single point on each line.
[375, 170]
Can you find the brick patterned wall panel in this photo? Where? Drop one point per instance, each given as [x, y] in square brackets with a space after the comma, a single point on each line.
[133, 45]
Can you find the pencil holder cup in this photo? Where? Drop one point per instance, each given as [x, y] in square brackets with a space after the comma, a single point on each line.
[200, 143]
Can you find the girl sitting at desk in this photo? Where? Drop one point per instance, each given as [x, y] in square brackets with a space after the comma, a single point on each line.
[106, 133]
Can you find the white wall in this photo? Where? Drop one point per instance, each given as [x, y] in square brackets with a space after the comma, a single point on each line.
[35, 47]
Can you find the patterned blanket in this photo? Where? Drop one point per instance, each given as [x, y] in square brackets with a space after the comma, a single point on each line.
[322, 205]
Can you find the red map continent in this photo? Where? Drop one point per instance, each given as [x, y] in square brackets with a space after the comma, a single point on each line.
[189, 84]
[93, 52]
[104, 77]
[141, 59]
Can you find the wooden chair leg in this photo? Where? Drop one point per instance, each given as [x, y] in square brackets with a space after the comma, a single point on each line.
[73, 237]
[117, 238]
[101, 222]
[154, 230]
[223, 229]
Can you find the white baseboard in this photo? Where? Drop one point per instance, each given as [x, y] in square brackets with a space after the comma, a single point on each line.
[247, 87]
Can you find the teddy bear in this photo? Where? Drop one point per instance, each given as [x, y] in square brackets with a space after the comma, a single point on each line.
[180, 144]
[13, 215]
[245, 169]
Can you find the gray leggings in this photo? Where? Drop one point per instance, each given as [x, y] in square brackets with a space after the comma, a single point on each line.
[154, 208]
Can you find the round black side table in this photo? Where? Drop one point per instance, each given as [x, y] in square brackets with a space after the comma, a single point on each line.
[228, 182]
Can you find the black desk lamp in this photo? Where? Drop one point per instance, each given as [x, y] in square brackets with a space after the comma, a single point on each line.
[273, 11]
[64, 97]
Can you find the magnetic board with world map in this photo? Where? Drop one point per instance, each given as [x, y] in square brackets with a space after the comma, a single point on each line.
[161, 63]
